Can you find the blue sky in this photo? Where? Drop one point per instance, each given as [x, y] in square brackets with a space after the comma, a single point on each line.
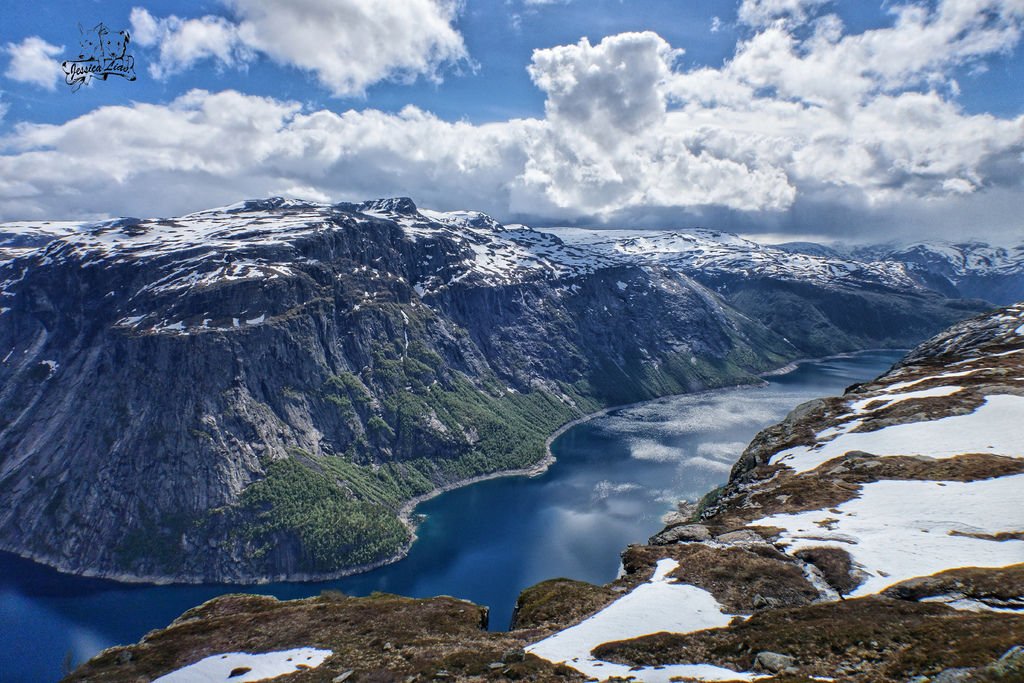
[804, 117]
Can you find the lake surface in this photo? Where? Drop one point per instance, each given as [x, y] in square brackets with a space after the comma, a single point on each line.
[614, 479]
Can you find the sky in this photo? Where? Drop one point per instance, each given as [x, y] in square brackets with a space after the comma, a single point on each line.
[823, 120]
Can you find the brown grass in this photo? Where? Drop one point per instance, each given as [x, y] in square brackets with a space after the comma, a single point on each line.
[867, 639]
[973, 582]
[735, 576]
[559, 602]
[835, 565]
[381, 637]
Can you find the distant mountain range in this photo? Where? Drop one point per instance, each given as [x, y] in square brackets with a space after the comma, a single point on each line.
[965, 269]
[259, 391]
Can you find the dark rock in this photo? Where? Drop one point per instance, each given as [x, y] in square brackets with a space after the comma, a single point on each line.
[762, 602]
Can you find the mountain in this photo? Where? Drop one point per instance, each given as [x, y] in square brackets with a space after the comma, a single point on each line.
[871, 537]
[968, 269]
[964, 269]
[810, 249]
[260, 391]
[818, 301]
[875, 536]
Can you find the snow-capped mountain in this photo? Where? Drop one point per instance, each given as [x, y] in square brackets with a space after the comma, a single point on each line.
[300, 363]
[970, 269]
[712, 253]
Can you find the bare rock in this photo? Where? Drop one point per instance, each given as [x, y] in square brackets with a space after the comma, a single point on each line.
[773, 662]
[685, 533]
[741, 537]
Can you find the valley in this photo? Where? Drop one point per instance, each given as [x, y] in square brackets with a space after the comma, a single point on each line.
[309, 368]
[813, 561]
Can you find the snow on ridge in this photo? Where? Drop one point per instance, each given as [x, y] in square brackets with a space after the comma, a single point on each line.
[261, 667]
[518, 251]
[661, 604]
[35, 233]
[710, 251]
[897, 530]
[963, 258]
[986, 430]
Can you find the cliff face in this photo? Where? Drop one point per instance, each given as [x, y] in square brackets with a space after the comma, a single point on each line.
[871, 537]
[252, 392]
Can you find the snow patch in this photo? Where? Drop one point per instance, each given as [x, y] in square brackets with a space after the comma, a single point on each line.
[898, 530]
[659, 605]
[983, 431]
[218, 668]
[900, 386]
[889, 399]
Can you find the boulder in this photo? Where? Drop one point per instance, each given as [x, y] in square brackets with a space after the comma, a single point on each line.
[773, 662]
[686, 533]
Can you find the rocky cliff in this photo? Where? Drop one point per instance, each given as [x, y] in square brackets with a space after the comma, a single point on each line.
[253, 392]
[871, 537]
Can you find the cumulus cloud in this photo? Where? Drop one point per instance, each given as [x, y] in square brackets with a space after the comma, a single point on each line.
[809, 128]
[182, 43]
[208, 148]
[34, 61]
[347, 44]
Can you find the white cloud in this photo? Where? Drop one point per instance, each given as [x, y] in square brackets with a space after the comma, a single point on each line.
[207, 148]
[614, 86]
[184, 42]
[760, 13]
[34, 61]
[347, 44]
[809, 128]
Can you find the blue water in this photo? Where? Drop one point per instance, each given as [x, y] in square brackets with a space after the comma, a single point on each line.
[614, 479]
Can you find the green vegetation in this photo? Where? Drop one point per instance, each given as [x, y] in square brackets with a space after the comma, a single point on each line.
[343, 513]
[334, 530]
[408, 422]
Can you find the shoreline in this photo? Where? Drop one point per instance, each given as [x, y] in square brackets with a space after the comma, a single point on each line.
[405, 511]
